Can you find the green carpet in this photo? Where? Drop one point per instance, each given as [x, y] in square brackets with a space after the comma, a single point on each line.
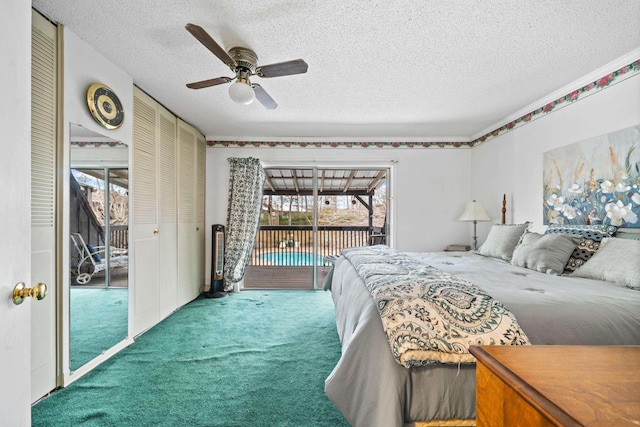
[98, 318]
[255, 358]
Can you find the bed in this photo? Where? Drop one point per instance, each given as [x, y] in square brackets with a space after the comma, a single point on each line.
[372, 388]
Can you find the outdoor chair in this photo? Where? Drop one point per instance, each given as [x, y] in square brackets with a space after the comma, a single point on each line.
[377, 239]
[91, 260]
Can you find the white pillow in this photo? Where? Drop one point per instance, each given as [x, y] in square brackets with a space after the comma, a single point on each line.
[617, 260]
[502, 240]
[546, 253]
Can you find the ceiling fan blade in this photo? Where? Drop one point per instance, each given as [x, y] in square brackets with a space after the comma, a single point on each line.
[297, 66]
[264, 98]
[203, 37]
[208, 83]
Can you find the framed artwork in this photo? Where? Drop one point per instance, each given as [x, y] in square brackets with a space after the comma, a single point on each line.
[596, 181]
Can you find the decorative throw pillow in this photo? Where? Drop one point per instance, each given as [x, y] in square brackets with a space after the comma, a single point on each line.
[546, 253]
[581, 254]
[592, 235]
[502, 240]
[617, 260]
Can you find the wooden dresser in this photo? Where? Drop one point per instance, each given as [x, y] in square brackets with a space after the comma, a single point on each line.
[557, 386]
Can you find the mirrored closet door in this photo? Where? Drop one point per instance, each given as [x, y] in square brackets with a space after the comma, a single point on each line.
[98, 233]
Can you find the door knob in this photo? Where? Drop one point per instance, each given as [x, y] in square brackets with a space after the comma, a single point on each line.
[20, 292]
[156, 231]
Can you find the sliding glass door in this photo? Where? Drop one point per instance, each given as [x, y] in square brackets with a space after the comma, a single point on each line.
[308, 216]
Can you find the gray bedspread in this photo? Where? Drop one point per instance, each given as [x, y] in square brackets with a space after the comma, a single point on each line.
[371, 389]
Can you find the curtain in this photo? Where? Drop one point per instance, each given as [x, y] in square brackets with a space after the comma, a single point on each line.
[245, 201]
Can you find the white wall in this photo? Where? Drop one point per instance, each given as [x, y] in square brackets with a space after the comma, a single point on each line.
[83, 66]
[431, 188]
[512, 163]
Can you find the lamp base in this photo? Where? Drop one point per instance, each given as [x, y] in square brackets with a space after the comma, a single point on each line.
[475, 237]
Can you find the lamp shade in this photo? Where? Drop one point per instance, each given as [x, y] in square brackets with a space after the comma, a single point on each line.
[474, 212]
[241, 93]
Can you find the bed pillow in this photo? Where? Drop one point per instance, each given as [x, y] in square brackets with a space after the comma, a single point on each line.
[502, 240]
[617, 260]
[591, 235]
[627, 235]
[546, 253]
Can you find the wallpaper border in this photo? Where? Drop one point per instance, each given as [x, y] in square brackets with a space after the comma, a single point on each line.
[97, 144]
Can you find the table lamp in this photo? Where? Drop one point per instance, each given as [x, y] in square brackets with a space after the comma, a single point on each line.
[474, 212]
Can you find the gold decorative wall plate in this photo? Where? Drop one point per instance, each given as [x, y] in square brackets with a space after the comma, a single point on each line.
[105, 106]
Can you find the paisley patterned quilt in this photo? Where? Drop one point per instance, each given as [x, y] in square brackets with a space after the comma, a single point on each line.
[430, 316]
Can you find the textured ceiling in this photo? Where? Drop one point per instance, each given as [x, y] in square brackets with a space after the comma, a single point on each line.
[378, 70]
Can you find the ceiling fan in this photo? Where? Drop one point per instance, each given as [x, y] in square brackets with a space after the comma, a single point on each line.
[244, 62]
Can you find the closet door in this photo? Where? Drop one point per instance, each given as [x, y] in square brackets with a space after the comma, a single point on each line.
[43, 212]
[189, 243]
[154, 212]
[144, 216]
[167, 230]
[201, 146]
[168, 212]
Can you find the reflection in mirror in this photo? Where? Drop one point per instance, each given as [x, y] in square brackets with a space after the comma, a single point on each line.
[98, 224]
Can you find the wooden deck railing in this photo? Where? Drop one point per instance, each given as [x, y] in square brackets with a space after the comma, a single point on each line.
[293, 245]
[119, 236]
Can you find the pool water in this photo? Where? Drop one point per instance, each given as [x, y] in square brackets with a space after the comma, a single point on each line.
[291, 258]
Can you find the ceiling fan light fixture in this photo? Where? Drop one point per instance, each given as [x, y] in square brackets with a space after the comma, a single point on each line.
[244, 63]
[241, 92]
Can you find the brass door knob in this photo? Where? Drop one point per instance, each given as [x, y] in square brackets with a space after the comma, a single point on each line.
[20, 292]
[156, 231]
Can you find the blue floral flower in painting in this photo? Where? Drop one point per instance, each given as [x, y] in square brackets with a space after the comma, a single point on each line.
[619, 212]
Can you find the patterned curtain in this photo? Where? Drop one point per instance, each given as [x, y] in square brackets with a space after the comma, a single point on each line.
[245, 201]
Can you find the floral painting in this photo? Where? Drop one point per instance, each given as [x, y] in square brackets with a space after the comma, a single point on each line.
[596, 181]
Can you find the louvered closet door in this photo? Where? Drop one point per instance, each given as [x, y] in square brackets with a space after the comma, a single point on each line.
[188, 263]
[144, 215]
[201, 148]
[167, 236]
[43, 184]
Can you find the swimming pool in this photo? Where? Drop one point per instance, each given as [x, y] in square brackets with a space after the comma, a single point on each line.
[298, 259]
